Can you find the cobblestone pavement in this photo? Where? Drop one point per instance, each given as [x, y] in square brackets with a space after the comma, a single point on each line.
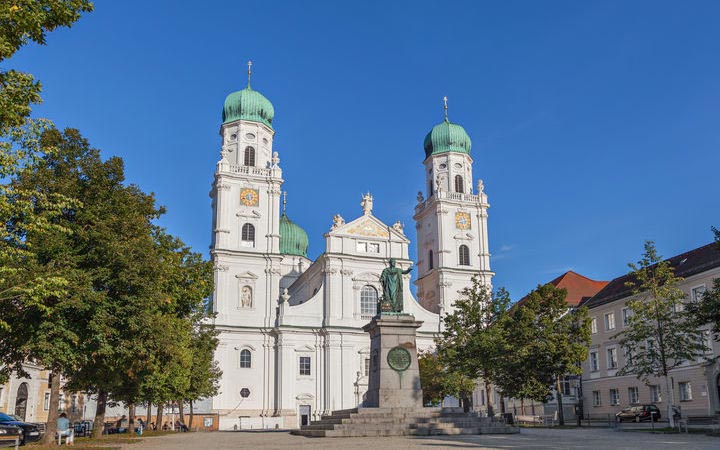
[528, 438]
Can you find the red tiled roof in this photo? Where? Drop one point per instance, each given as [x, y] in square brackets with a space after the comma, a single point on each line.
[578, 287]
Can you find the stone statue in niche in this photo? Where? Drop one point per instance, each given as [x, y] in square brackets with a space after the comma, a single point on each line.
[246, 297]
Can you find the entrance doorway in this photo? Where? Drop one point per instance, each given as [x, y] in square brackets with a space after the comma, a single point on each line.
[21, 401]
[304, 415]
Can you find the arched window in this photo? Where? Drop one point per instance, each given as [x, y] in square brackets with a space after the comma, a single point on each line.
[430, 189]
[368, 301]
[430, 259]
[248, 234]
[459, 185]
[245, 359]
[464, 254]
[249, 156]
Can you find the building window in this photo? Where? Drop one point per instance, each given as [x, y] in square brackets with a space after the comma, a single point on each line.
[249, 156]
[459, 185]
[596, 398]
[368, 247]
[633, 395]
[612, 358]
[610, 321]
[304, 365]
[464, 255]
[245, 359]
[367, 367]
[61, 403]
[655, 395]
[593, 325]
[248, 235]
[685, 391]
[430, 259]
[614, 397]
[46, 402]
[368, 301]
[594, 366]
[626, 313]
[697, 293]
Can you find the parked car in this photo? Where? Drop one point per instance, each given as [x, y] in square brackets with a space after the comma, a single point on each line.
[9, 434]
[30, 431]
[638, 413]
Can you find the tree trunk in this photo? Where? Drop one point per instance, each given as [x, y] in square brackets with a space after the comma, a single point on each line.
[182, 413]
[99, 423]
[558, 396]
[159, 418]
[148, 417]
[191, 415]
[502, 404]
[131, 418]
[51, 424]
[671, 401]
[522, 406]
[490, 411]
[532, 407]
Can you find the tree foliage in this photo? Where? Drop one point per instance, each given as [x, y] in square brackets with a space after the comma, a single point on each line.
[660, 335]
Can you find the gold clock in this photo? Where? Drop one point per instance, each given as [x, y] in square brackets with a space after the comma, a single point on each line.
[462, 221]
[249, 197]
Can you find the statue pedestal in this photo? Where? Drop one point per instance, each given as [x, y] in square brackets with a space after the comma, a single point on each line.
[394, 380]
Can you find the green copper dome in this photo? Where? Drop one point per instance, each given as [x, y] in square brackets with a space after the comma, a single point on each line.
[293, 239]
[447, 137]
[248, 105]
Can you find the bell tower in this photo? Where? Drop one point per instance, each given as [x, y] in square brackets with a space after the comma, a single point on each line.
[451, 220]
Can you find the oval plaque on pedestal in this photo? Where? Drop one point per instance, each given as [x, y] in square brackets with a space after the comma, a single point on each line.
[399, 359]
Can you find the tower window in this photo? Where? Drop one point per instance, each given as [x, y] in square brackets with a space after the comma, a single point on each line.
[464, 254]
[248, 234]
[249, 156]
[459, 185]
[368, 301]
[245, 359]
[430, 259]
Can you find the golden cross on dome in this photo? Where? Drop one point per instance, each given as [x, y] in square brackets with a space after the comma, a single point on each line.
[445, 107]
[249, 64]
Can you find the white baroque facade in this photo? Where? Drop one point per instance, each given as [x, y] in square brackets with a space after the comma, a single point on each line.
[291, 341]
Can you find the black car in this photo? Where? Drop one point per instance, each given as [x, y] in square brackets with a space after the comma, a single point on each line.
[9, 435]
[30, 432]
[638, 413]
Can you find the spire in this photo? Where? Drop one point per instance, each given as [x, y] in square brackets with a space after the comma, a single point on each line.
[249, 64]
[284, 202]
[444, 107]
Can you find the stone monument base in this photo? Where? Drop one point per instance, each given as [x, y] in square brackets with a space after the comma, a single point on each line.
[372, 422]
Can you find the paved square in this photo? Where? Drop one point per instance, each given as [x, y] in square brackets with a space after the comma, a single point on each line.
[528, 438]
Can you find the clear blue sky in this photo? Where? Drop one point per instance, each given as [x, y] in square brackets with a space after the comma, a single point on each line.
[595, 125]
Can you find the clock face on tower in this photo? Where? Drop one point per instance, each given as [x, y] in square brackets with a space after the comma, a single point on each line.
[249, 197]
[462, 221]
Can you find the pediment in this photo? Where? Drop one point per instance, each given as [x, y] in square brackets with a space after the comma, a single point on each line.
[367, 226]
[247, 276]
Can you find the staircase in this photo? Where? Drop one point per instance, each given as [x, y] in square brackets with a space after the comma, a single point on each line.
[366, 422]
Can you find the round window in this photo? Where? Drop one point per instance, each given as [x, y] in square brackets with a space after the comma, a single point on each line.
[249, 136]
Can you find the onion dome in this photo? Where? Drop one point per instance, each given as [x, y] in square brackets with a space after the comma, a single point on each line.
[293, 239]
[248, 104]
[447, 137]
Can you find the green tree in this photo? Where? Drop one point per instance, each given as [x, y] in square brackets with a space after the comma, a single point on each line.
[431, 378]
[706, 310]
[204, 371]
[470, 345]
[660, 336]
[24, 280]
[547, 341]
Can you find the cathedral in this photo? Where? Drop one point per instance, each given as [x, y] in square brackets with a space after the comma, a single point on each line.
[291, 345]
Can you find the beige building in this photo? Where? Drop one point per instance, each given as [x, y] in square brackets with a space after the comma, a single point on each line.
[695, 383]
[29, 398]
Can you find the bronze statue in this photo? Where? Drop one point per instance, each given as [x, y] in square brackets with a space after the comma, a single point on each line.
[392, 283]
